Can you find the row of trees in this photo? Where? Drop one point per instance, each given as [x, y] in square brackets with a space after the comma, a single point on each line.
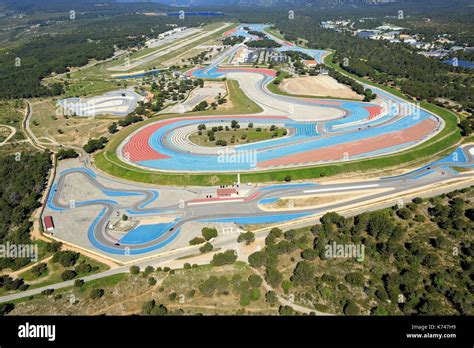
[95, 144]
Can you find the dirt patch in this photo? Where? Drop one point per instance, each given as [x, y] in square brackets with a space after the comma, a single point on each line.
[318, 200]
[323, 85]
[53, 129]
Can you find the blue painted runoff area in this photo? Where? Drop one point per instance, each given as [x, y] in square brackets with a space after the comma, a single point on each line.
[268, 200]
[116, 251]
[287, 186]
[145, 233]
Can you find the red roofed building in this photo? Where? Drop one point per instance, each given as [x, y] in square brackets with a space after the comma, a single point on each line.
[310, 63]
[48, 223]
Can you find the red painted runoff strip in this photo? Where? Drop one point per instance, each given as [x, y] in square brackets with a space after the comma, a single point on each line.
[338, 152]
[374, 111]
[138, 149]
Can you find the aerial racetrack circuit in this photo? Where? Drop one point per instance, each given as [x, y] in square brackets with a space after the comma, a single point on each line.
[320, 130]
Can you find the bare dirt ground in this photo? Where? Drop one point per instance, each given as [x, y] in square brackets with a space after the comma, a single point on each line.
[323, 85]
[319, 200]
[54, 129]
[127, 295]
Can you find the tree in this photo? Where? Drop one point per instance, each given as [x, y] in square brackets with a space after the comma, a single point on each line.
[196, 241]
[95, 144]
[209, 233]
[467, 126]
[225, 258]
[271, 298]
[430, 306]
[355, 278]
[47, 292]
[83, 268]
[68, 275]
[286, 311]
[379, 224]
[257, 259]
[148, 270]
[66, 258]
[113, 128]
[201, 106]
[404, 213]
[95, 294]
[208, 287]
[263, 43]
[255, 281]
[151, 281]
[273, 235]
[247, 237]
[430, 260]
[351, 308]
[130, 119]
[419, 218]
[160, 310]
[6, 308]
[53, 246]
[255, 294]
[273, 276]
[134, 269]
[39, 270]
[469, 213]
[303, 274]
[309, 254]
[206, 248]
[66, 153]
[78, 283]
[222, 285]
[148, 306]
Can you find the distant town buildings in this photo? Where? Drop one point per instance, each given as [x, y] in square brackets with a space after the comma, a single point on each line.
[246, 55]
[438, 48]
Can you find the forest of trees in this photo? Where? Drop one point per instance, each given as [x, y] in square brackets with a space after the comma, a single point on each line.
[23, 66]
[264, 43]
[417, 259]
[22, 184]
[233, 40]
